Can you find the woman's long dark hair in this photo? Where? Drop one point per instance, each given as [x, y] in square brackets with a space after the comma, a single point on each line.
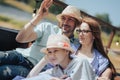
[97, 44]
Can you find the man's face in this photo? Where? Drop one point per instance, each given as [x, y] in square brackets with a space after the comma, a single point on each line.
[67, 24]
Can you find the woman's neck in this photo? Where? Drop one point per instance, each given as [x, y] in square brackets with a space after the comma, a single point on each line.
[86, 50]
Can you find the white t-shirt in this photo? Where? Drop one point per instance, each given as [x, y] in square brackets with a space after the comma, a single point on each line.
[77, 69]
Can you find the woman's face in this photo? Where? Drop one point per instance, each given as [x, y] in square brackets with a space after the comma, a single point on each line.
[57, 56]
[85, 34]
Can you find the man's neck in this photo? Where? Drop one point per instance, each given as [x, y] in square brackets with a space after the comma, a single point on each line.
[69, 35]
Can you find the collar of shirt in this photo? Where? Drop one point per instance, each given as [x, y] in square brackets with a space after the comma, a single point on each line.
[72, 38]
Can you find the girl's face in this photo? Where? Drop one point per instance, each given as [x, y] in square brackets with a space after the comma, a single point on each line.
[85, 34]
[57, 55]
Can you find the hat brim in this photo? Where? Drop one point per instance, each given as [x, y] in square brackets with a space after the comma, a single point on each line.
[44, 50]
[60, 15]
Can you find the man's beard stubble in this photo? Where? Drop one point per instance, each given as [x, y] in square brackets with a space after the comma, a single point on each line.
[66, 28]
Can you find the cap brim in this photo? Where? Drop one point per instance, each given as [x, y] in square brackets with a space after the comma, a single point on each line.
[44, 50]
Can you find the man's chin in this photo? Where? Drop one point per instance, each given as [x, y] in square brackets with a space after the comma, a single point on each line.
[66, 32]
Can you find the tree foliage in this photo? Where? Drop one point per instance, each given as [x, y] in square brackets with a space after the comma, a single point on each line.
[36, 4]
[105, 17]
[1, 1]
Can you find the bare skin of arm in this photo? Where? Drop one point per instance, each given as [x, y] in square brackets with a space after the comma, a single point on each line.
[31, 35]
[36, 70]
[27, 34]
[106, 75]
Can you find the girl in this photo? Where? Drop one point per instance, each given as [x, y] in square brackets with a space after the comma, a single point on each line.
[65, 67]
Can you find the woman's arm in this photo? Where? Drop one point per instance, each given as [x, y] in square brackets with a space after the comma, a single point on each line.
[36, 70]
[106, 75]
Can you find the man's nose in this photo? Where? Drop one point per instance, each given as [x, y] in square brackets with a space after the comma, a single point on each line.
[66, 21]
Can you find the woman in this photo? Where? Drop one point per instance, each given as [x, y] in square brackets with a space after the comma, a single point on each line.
[58, 51]
[92, 48]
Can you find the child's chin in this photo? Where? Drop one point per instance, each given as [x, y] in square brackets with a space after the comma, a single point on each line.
[54, 64]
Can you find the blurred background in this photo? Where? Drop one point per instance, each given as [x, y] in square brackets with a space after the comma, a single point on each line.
[14, 14]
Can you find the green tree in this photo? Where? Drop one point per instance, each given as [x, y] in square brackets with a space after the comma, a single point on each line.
[105, 17]
[55, 9]
[1, 1]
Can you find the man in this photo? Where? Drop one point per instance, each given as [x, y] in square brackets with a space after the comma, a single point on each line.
[68, 20]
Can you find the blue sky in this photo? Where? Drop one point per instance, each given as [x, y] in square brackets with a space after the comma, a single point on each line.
[93, 7]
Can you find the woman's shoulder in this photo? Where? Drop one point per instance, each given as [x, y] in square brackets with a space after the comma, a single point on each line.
[97, 53]
[99, 56]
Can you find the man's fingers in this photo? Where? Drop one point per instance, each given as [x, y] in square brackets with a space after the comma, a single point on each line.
[49, 3]
[46, 4]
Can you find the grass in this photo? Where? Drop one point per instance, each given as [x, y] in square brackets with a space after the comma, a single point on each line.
[19, 5]
[24, 7]
[11, 23]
